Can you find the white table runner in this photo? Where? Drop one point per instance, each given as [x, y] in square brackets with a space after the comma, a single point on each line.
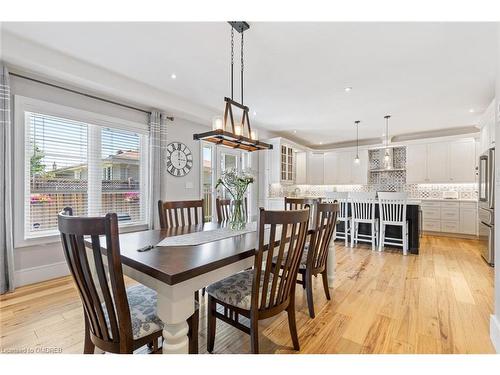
[198, 238]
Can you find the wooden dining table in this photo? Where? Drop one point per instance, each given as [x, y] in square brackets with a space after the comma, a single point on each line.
[177, 272]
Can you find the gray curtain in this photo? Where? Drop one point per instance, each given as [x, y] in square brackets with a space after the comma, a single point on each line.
[157, 147]
[6, 139]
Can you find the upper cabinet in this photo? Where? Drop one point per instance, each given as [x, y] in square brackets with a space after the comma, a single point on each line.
[487, 125]
[441, 162]
[315, 168]
[340, 168]
[281, 162]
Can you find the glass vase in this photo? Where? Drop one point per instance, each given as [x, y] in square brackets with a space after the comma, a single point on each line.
[238, 219]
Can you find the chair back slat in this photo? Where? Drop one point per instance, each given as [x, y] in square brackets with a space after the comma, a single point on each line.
[340, 197]
[181, 213]
[324, 225]
[106, 309]
[363, 205]
[223, 209]
[279, 274]
[392, 207]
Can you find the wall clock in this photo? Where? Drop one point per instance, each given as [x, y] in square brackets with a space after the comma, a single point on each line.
[179, 159]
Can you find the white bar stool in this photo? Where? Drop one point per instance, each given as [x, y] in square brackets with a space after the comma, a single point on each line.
[363, 211]
[392, 207]
[343, 215]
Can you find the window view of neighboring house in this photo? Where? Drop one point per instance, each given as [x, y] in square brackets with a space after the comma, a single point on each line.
[59, 173]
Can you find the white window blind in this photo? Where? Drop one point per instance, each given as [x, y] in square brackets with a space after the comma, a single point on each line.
[93, 169]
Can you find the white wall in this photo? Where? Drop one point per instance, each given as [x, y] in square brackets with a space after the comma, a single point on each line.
[495, 318]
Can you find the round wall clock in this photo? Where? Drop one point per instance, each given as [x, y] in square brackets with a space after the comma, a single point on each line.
[179, 159]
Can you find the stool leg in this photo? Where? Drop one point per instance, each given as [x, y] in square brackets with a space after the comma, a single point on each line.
[373, 235]
[382, 237]
[405, 239]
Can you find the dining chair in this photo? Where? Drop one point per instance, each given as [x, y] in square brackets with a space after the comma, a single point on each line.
[344, 214]
[315, 255]
[176, 214]
[117, 319]
[363, 211]
[266, 290]
[181, 213]
[392, 209]
[223, 209]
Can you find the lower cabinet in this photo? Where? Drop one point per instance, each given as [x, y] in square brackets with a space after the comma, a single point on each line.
[449, 217]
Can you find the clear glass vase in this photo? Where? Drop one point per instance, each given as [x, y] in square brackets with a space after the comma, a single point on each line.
[238, 219]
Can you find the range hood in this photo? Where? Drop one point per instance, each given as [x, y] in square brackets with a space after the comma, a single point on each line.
[383, 160]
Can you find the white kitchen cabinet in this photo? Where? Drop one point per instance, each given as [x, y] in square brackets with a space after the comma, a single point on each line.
[315, 168]
[330, 168]
[449, 216]
[462, 161]
[441, 162]
[487, 126]
[416, 163]
[359, 172]
[301, 168]
[437, 162]
[344, 166]
[281, 161]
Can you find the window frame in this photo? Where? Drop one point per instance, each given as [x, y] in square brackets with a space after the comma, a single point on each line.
[24, 104]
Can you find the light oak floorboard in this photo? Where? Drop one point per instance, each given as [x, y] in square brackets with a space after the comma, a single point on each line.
[437, 302]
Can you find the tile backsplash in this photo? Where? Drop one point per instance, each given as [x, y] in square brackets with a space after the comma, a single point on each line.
[416, 191]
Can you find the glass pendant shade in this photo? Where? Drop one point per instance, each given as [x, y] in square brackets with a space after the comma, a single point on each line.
[217, 123]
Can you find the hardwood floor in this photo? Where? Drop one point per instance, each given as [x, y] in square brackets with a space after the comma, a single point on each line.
[437, 302]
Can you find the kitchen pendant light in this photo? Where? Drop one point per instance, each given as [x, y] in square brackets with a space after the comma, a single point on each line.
[387, 154]
[224, 130]
[356, 159]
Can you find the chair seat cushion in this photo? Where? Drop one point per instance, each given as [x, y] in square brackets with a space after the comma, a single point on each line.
[142, 303]
[236, 290]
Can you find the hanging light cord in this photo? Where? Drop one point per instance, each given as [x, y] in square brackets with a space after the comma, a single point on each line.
[242, 67]
[357, 138]
[232, 62]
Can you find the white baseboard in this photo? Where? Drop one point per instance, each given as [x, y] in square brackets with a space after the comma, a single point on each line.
[495, 332]
[41, 273]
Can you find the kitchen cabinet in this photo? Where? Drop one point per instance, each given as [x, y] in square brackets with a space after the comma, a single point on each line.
[345, 170]
[330, 168]
[315, 168]
[462, 161]
[416, 163]
[437, 160]
[301, 168]
[487, 126]
[449, 216]
[281, 161]
[441, 162]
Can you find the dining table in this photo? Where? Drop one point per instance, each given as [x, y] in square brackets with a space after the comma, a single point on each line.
[177, 271]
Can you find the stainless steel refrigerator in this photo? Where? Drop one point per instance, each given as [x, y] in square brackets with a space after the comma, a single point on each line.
[487, 205]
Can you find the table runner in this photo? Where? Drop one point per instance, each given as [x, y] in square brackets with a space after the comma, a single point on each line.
[198, 238]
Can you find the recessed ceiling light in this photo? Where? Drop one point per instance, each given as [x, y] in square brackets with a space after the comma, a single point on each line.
[320, 143]
[255, 113]
[471, 110]
[295, 132]
[173, 76]
[347, 89]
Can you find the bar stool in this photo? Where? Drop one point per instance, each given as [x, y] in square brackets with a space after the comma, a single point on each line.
[343, 215]
[392, 207]
[363, 211]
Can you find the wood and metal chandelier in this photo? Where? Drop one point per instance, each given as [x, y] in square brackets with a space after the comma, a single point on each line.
[225, 131]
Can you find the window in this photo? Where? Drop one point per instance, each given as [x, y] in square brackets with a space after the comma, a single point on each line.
[93, 169]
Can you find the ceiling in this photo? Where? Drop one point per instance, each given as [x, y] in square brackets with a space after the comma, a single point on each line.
[428, 76]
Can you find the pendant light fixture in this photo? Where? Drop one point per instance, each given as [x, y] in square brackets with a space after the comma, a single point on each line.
[356, 159]
[387, 153]
[224, 130]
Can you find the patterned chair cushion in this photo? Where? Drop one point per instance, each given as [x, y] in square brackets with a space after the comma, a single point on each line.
[236, 290]
[142, 304]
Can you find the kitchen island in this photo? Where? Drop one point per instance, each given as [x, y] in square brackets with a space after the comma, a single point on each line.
[413, 215]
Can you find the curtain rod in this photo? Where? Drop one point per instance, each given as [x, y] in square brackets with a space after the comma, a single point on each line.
[171, 118]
